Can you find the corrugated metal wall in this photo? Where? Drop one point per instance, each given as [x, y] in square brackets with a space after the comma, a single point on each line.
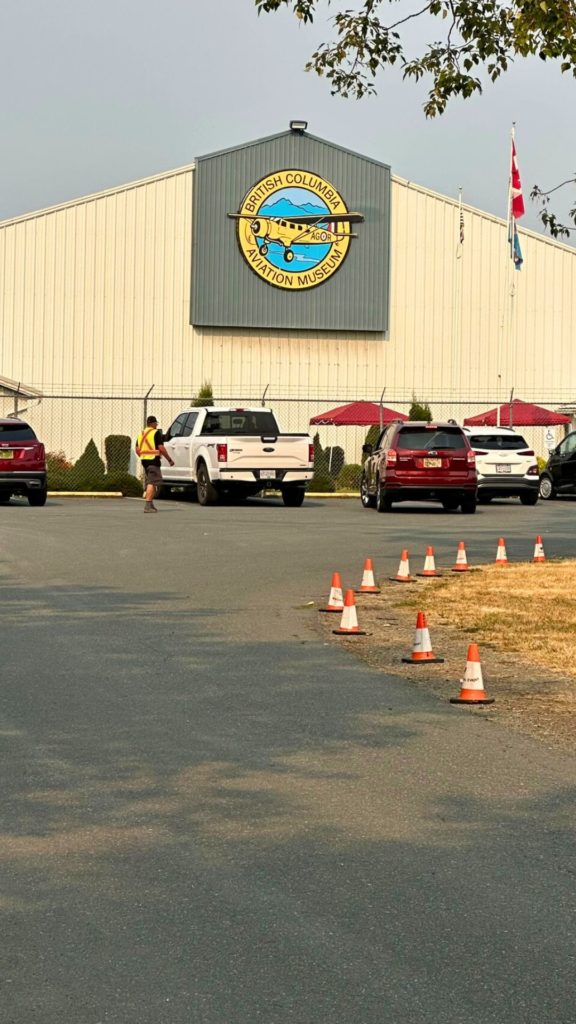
[95, 296]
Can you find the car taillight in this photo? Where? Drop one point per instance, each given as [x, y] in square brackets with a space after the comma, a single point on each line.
[478, 452]
[33, 452]
[310, 453]
[532, 471]
[222, 452]
[391, 457]
[527, 452]
[471, 458]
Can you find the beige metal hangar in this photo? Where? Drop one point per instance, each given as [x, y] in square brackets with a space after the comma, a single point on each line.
[290, 264]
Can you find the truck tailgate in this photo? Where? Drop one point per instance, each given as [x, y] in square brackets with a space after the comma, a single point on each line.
[257, 453]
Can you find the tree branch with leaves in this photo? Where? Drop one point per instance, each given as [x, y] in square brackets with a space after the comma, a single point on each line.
[477, 37]
[549, 219]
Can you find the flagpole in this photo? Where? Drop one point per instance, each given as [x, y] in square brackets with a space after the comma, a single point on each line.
[506, 324]
[510, 218]
[459, 248]
[457, 302]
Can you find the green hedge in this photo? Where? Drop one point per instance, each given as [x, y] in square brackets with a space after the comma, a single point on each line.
[88, 473]
[117, 448]
[349, 477]
[89, 469]
[67, 480]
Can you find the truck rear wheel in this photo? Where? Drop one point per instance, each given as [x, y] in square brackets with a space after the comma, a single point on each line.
[207, 493]
[293, 496]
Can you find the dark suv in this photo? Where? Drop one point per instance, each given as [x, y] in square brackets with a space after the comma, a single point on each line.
[22, 463]
[414, 461]
[559, 474]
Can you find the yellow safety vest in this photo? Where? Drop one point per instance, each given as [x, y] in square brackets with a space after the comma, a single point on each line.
[145, 444]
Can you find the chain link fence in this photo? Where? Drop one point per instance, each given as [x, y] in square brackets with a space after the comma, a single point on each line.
[69, 424]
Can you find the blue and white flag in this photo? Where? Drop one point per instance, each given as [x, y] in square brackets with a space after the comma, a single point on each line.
[515, 250]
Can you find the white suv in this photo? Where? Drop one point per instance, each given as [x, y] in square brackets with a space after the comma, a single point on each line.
[506, 466]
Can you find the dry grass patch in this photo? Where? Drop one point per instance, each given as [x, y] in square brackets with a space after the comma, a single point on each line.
[522, 616]
[526, 608]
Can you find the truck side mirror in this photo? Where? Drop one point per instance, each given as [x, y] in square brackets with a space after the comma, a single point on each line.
[367, 449]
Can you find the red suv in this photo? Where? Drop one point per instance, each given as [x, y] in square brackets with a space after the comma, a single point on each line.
[414, 461]
[22, 463]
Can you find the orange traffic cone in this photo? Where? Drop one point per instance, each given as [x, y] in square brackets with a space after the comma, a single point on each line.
[472, 687]
[335, 600]
[461, 560]
[349, 622]
[422, 651]
[403, 575]
[368, 585]
[539, 555]
[501, 556]
[429, 565]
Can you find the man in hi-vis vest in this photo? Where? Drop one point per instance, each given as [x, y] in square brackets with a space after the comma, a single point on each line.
[149, 448]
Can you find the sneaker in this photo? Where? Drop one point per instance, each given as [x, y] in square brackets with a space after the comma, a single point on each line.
[150, 508]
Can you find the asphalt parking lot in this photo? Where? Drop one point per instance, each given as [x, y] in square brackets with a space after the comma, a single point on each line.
[211, 815]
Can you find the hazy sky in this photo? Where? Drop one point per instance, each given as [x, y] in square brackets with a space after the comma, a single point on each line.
[99, 94]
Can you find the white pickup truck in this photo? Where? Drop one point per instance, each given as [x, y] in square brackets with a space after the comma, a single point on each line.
[238, 453]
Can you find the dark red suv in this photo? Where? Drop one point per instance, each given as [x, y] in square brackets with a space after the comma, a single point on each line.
[22, 463]
[414, 461]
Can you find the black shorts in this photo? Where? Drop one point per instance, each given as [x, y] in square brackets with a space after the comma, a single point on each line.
[152, 474]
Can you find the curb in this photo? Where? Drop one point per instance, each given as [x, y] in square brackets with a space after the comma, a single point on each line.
[118, 494]
[333, 494]
[85, 494]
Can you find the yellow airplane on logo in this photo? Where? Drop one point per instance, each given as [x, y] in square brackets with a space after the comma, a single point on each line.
[308, 229]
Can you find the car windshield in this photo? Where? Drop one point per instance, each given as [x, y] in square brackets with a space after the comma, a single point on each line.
[10, 432]
[498, 442]
[240, 421]
[417, 439]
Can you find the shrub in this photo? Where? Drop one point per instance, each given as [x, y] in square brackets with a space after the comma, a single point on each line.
[117, 448]
[67, 480]
[205, 396]
[420, 411]
[56, 462]
[60, 480]
[541, 463]
[88, 472]
[321, 481]
[129, 485]
[349, 477]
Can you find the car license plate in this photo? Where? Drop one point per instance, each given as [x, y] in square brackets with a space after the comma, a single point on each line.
[6, 455]
[504, 469]
[267, 474]
[432, 463]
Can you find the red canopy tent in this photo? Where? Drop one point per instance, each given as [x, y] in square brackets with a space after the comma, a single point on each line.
[357, 414]
[518, 414]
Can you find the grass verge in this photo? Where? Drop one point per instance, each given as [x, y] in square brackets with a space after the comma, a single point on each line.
[522, 616]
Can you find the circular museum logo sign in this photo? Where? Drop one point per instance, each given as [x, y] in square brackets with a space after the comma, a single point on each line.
[294, 229]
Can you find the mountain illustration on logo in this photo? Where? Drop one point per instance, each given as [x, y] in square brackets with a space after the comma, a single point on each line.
[286, 208]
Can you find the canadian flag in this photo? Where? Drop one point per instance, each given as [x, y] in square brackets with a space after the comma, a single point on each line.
[516, 187]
